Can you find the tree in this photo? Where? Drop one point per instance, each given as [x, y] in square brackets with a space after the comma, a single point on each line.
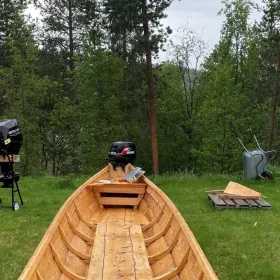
[186, 55]
[66, 23]
[269, 28]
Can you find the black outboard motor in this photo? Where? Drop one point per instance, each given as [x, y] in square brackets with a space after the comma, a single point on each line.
[10, 137]
[10, 144]
[122, 153]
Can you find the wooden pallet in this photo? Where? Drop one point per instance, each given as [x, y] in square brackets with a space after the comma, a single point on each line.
[220, 203]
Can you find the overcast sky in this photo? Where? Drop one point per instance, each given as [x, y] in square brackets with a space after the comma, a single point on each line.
[201, 15]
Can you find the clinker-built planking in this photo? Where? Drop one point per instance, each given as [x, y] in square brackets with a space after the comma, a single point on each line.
[118, 231]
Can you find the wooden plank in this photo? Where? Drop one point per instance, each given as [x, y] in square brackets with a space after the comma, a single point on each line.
[263, 203]
[157, 256]
[237, 189]
[119, 253]
[176, 271]
[142, 268]
[120, 189]
[237, 196]
[63, 268]
[98, 197]
[119, 184]
[216, 200]
[159, 234]
[97, 258]
[241, 203]
[147, 226]
[79, 233]
[139, 198]
[82, 218]
[39, 275]
[118, 201]
[229, 202]
[71, 248]
[252, 203]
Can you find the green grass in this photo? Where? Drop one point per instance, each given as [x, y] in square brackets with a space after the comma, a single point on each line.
[239, 244]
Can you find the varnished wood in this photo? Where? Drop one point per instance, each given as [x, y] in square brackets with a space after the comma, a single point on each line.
[93, 226]
[159, 234]
[76, 231]
[143, 237]
[71, 248]
[113, 242]
[63, 268]
[39, 276]
[162, 253]
[176, 271]
[125, 201]
[145, 227]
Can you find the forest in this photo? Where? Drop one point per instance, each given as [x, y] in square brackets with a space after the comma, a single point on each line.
[83, 76]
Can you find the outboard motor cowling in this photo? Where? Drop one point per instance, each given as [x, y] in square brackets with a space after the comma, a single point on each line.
[10, 136]
[122, 153]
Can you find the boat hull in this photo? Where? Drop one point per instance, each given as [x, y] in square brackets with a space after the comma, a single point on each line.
[118, 231]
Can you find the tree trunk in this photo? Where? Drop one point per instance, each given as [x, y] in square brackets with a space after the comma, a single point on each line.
[151, 97]
[76, 160]
[274, 108]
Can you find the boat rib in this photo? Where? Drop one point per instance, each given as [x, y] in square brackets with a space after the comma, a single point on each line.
[118, 231]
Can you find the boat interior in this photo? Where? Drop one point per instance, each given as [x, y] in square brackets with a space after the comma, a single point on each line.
[118, 230]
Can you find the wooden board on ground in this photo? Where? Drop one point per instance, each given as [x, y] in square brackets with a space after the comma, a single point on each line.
[240, 190]
[220, 203]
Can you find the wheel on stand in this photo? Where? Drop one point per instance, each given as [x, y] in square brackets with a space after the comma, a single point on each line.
[15, 206]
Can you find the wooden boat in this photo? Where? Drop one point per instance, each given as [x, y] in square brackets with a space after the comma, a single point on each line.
[115, 231]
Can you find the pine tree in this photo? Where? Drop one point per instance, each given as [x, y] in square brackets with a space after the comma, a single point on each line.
[141, 19]
[269, 28]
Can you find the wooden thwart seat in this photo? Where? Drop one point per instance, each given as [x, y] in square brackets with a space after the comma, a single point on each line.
[119, 251]
[137, 189]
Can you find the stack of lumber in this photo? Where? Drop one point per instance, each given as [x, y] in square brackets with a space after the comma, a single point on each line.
[237, 196]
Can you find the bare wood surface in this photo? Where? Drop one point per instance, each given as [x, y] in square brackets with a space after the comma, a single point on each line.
[39, 275]
[71, 248]
[145, 227]
[119, 253]
[176, 271]
[63, 268]
[237, 196]
[159, 234]
[79, 233]
[91, 225]
[118, 201]
[162, 253]
[237, 189]
[120, 188]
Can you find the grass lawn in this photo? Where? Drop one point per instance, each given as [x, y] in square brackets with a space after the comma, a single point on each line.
[239, 244]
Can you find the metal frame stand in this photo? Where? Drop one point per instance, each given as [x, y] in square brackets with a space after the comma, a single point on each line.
[10, 180]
